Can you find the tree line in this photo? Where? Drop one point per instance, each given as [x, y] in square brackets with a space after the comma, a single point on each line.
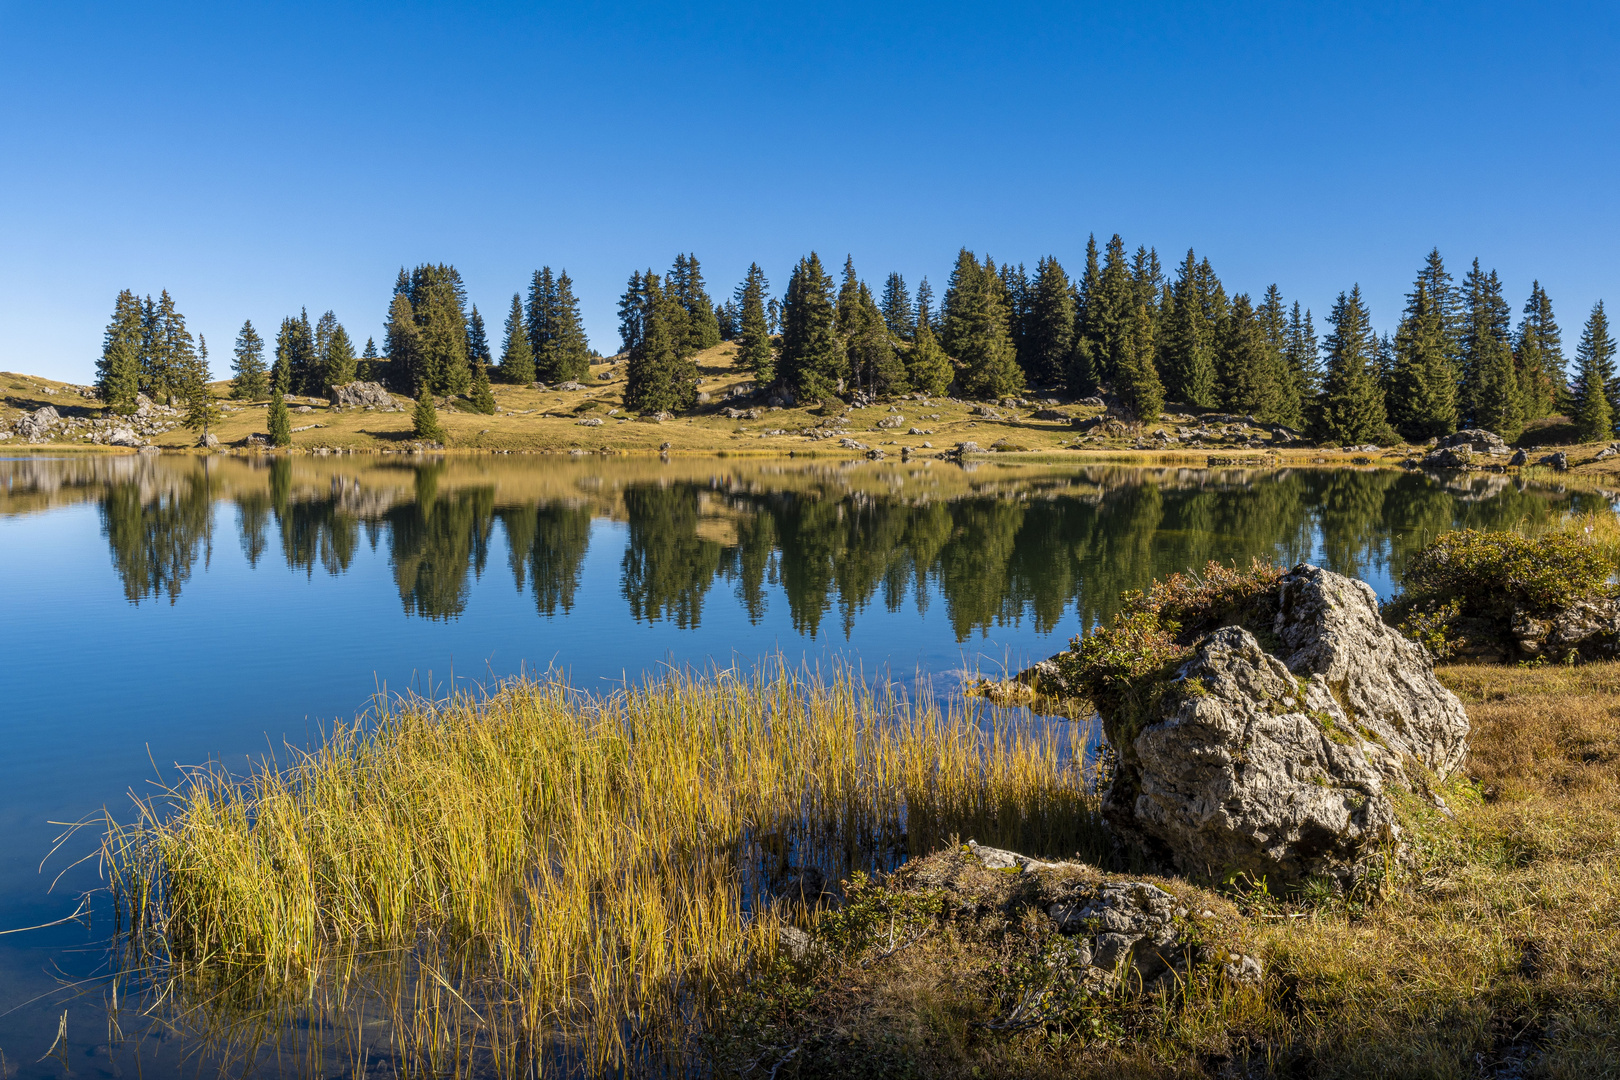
[1124, 327]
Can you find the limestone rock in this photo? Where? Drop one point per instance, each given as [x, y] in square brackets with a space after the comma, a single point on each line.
[1558, 461]
[364, 395]
[209, 441]
[1476, 439]
[37, 424]
[123, 436]
[592, 421]
[1519, 458]
[1448, 457]
[1586, 630]
[1057, 415]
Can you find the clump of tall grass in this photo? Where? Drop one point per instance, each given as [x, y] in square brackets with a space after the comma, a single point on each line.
[600, 861]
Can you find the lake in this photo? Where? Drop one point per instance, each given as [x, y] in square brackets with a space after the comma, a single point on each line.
[163, 610]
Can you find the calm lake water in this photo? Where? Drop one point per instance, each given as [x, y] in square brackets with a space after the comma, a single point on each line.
[177, 610]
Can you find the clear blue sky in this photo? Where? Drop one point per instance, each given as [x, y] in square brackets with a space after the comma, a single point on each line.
[255, 159]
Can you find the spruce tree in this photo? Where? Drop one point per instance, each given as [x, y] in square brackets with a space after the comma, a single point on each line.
[630, 307]
[1290, 406]
[1085, 367]
[441, 345]
[279, 420]
[118, 372]
[1423, 392]
[570, 351]
[1250, 381]
[167, 349]
[1187, 350]
[251, 382]
[517, 358]
[1540, 357]
[1448, 307]
[425, 417]
[811, 360]
[898, 314]
[925, 303]
[306, 374]
[541, 313]
[281, 370]
[686, 284]
[1352, 406]
[339, 361]
[1136, 379]
[366, 371]
[1014, 289]
[202, 410]
[477, 341]
[1049, 325]
[928, 369]
[325, 327]
[1594, 375]
[403, 345]
[1304, 360]
[659, 377]
[753, 335]
[847, 308]
[482, 398]
[1109, 305]
[729, 318]
[1490, 389]
[872, 360]
[975, 330]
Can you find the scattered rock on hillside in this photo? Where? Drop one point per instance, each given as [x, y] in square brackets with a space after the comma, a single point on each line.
[1519, 458]
[209, 441]
[364, 395]
[122, 436]
[1559, 462]
[1478, 440]
[37, 425]
[1448, 457]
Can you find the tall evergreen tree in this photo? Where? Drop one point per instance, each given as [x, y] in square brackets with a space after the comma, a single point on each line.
[1085, 367]
[517, 358]
[847, 308]
[975, 330]
[1049, 325]
[1447, 304]
[477, 340]
[325, 327]
[1540, 357]
[1251, 375]
[1594, 375]
[167, 350]
[118, 372]
[251, 381]
[403, 344]
[570, 356]
[925, 303]
[1304, 360]
[753, 335]
[278, 419]
[898, 314]
[729, 317]
[482, 398]
[437, 296]
[660, 378]
[1147, 279]
[1108, 305]
[1187, 350]
[202, 410]
[541, 312]
[872, 360]
[306, 371]
[1136, 379]
[630, 306]
[811, 360]
[367, 369]
[1015, 299]
[928, 369]
[281, 369]
[1290, 407]
[1352, 406]
[425, 417]
[339, 362]
[1490, 390]
[686, 283]
[1423, 393]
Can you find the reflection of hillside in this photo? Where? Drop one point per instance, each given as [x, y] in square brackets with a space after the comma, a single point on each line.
[996, 545]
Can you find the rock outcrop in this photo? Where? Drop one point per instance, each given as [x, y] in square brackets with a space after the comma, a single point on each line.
[364, 395]
[1273, 760]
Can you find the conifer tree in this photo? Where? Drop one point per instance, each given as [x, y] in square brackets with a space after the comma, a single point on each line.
[367, 368]
[118, 372]
[1187, 352]
[1109, 304]
[925, 302]
[1085, 368]
[1014, 288]
[441, 344]
[730, 319]
[401, 341]
[1490, 390]
[570, 351]
[167, 349]
[872, 360]
[1304, 360]
[339, 361]
[325, 327]
[1448, 307]
[847, 309]
[630, 305]
[1290, 408]
[753, 335]
[686, 284]
[306, 374]
[975, 330]
[1250, 382]
[279, 420]
[898, 314]
[517, 359]
[1423, 392]
[811, 360]
[1352, 406]
[1594, 375]
[1136, 379]
[1049, 331]
[251, 381]
[477, 341]
[1540, 357]
[659, 377]
[541, 313]
[425, 417]
[1147, 280]
[482, 398]
[928, 369]
[202, 410]
[281, 370]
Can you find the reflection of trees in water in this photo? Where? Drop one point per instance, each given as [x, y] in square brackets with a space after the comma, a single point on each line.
[433, 541]
[156, 537]
[546, 548]
[667, 566]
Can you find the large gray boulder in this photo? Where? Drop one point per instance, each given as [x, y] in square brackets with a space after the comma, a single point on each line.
[1476, 439]
[37, 425]
[364, 395]
[1274, 760]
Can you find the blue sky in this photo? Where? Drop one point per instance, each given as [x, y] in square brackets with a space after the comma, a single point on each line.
[255, 159]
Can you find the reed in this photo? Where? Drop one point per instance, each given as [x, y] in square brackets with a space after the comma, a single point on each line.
[555, 868]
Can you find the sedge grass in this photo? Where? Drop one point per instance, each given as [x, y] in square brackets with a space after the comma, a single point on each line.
[542, 867]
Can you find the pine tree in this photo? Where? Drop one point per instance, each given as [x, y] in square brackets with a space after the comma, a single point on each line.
[847, 309]
[1085, 367]
[306, 374]
[811, 360]
[1147, 279]
[570, 351]
[1250, 381]
[1049, 331]
[928, 369]
[872, 360]
[118, 372]
[898, 314]
[1423, 393]
[630, 306]
[437, 297]
[1014, 291]
[1540, 357]
[1187, 352]
[477, 341]
[367, 368]
[925, 303]
[753, 335]
[517, 358]
[1352, 406]
[1136, 379]
[425, 418]
[482, 398]
[729, 317]
[1304, 360]
[1108, 306]
[1594, 375]
[975, 330]
[1448, 308]
[251, 381]
[1290, 406]
[401, 340]
[202, 410]
[659, 377]
[279, 420]
[166, 349]
[325, 327]
[686, 285]
[1490, 390]
[339, 361]
[281, 370]
[295, 356]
